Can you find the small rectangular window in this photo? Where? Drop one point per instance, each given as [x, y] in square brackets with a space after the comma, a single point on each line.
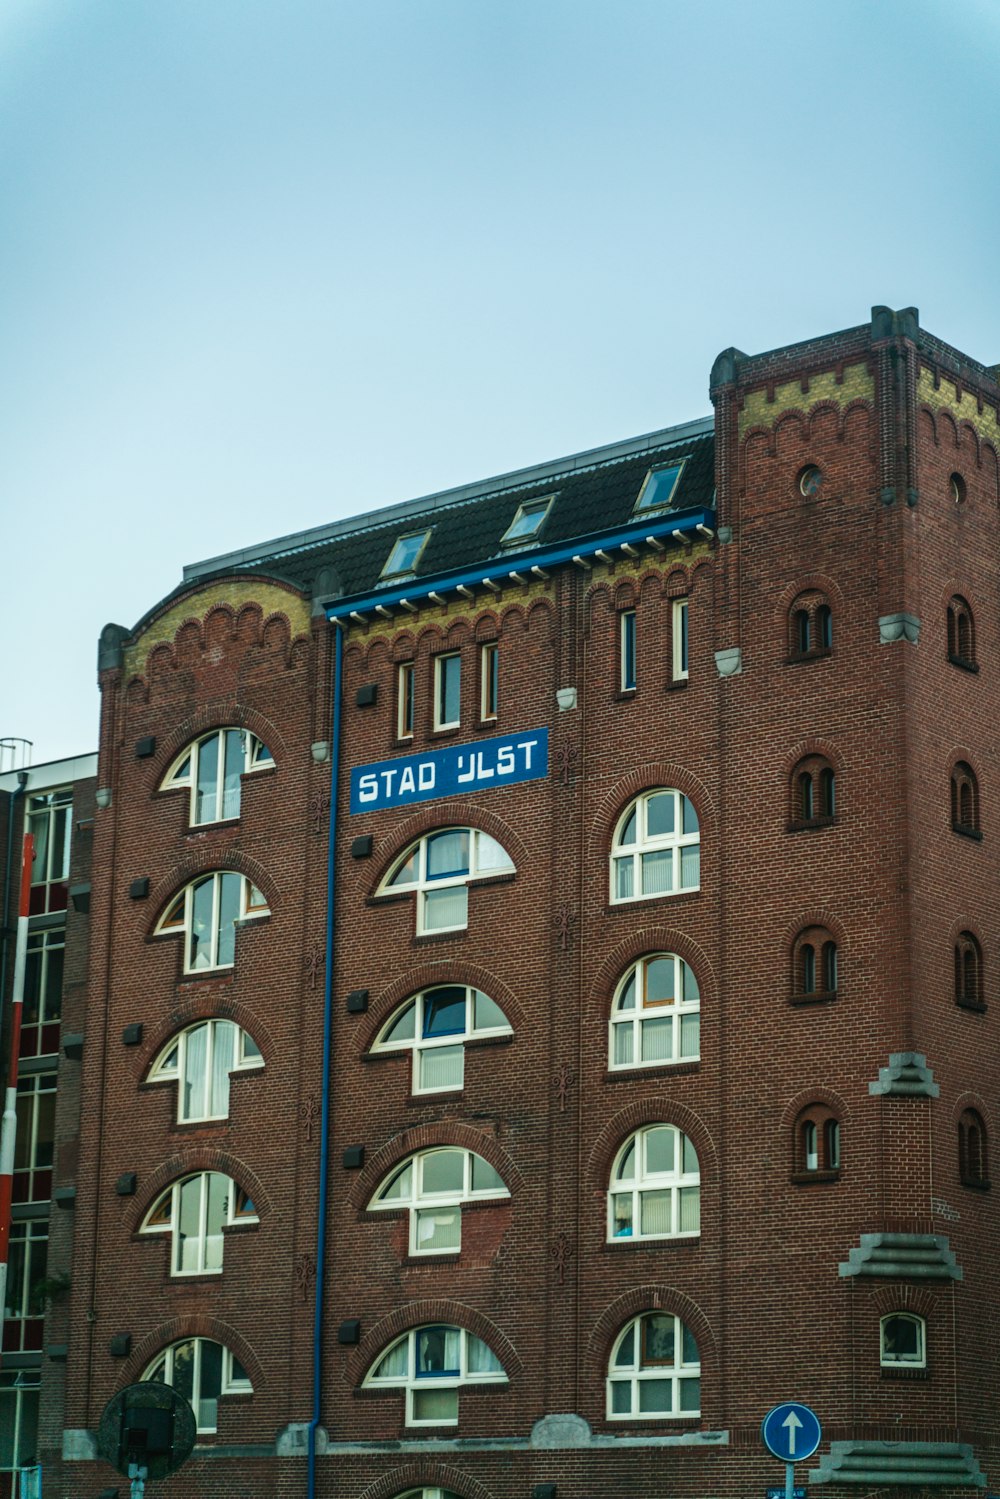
[405, 552]
[659, 487]
[527, 522]
[627, 650]
[680, 640]
[405, 675]
[447, 684]
[489, 676]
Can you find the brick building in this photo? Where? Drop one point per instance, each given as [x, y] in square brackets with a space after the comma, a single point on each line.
[614, 1054]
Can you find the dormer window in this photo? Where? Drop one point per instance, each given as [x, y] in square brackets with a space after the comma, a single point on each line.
[528, 521]
[659, 487]
[405, 554]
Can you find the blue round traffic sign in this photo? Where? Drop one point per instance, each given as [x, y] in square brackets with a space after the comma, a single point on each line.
[791, 1431]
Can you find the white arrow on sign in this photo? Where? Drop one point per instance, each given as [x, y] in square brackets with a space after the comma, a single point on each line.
[793, 1423]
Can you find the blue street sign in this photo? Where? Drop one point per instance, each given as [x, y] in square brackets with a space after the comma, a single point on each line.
[779, 1493]
[450, 772]
[791, 1431]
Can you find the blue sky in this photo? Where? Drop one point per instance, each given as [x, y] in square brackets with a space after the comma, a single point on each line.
[267, 264]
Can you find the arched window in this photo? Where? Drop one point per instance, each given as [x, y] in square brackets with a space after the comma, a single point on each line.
[903, 1341]
[961, 634]
[816, 1144]
[964, 800]
[972, 1162]
[655, 1015]
[208, 911]
[814, 966]
[969, 973]
[810, 626]
[655, 1190]
[429, 1494]
[654, 1370]
[434, 1026]
[201, 1060]
[194, 1211]
[814, 796]
[433, 1185]
[656, 847]
[203, 1372]
[431, 1364]
[212, 768]
[440, 867]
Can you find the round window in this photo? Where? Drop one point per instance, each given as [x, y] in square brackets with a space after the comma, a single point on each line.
[810, 480]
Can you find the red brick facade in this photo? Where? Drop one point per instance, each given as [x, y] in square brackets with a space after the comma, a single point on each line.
[884, 538]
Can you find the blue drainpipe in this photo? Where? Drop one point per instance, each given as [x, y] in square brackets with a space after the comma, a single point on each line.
[324, 1142]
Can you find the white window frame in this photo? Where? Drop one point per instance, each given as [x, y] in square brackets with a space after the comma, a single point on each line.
[413, 1382]
[231, 1383]
[32, 1089]
[540, 507]
[441, 668]
[419, 1044]
[626, 650]
[51, 808]
[636, 1373]
[250, 909]
[919, 1359]
[644, 844]
[21, 1387]
[184, 773]
[427, 886]
[650, 485]
[643, 1181]
[163, 1070]
[397, 571]
[489, 681]
[406, 676]
[170, 1222]
[419, 1201]
[680, 640]
[644, 1010]
[43, 943]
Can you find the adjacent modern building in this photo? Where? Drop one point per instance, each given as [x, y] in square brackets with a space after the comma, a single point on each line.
[543, 998]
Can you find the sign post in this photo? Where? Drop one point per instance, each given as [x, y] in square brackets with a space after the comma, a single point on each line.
[791, 1432]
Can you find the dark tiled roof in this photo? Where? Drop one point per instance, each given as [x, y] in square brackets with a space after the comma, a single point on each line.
[600, 498]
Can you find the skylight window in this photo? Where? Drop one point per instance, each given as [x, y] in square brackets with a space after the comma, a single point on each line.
[403, 557]
[659, 487]
[528, 521]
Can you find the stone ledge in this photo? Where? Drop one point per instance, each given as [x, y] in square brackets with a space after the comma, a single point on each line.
[895, 1464]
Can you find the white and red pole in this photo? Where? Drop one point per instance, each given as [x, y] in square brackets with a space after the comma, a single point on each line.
[8, 1128]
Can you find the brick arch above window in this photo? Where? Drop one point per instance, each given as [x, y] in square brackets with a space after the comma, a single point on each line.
[633, 1116]
[816, 1144]
[810, 625]
[199, 861]
[430, 1310]
[965, 800]
[884, 1300]
[188, 1162]
[199, 1325]
[969, 987]
[643, 942]
[646, 778]
[200, 1006]
[443, 1132]
[460, 812]
[973, 1149]
[813, 793]
[418, 979]
[819, 1094]
[633, 1303]
[228, 715]
[815, 965]
[422, 1473]
[961, 633]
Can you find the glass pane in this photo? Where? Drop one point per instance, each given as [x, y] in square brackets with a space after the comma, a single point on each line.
[189, 1230]
[621, 1215]
[403, 1027]
[690, 1035]
[393, 1364]
[239, 1374]
[443, 1171]
[626, 1168]
[623, 1044]
[660, 986]
[660, 808]
[690, 1210]
[482, 1359]
[219, 1189]
[224, 1039]
[182, 1378]
[689, 1346]
[27, 1439]
[406, 874]
[657, 1341]
[444, 1012]
[690, 1394]
[435, 1405]
[60, 845]
[660, 1153]
[654, 1211]
[689, 817]
[446, 908]
[657, 1040]
[490, 855]
[235, 757]
[488, 1016]
[621, 1397]
[207, 791]
[202, 901]
[626, 999]
[52, 990]
[38, 826]
[251, 1051]
[438, 1351]
[451, 671]
[438, 1232]
[658, 872]
[690, 867]
[627, 835]
[45, 1130]
[692, 994]
[689, 1159]
[625, 1357]
[624, 879]
[441, 1067]
[399, 1187]
[484, 1177]
[193, 1087]
[211, 1370]
[229, 910]
[655, 1395]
